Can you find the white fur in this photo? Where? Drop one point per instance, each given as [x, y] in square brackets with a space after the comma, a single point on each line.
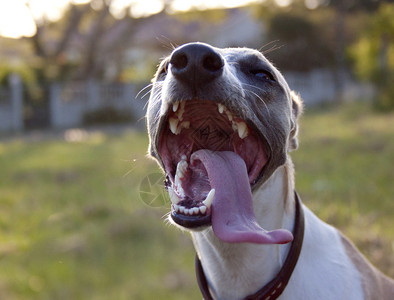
[323, 271]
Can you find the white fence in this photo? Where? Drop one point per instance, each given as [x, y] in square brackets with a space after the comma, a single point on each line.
[319, 86]
[70, 102]
[11, 105]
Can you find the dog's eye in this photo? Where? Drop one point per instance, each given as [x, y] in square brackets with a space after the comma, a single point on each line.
[262, 74]
[162, 72]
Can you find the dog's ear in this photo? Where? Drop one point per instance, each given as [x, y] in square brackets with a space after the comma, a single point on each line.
[297, 108]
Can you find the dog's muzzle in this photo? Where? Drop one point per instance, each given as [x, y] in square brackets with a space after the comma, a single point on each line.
[211, 150]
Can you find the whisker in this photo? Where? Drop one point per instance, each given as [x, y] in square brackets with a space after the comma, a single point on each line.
[274, 47]
[147, 93]
[156, 97]
[167, 43]
[262, 100]
[143, 89]
[253, 86]
[233, 63]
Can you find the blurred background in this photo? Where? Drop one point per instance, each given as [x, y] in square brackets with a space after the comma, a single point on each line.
[82, 210]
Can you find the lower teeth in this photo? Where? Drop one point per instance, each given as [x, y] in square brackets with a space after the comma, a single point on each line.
[190, 211]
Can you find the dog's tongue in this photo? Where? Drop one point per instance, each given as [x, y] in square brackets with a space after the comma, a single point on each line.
[233, 218]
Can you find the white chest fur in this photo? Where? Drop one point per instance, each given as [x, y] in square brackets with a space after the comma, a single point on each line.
[323, 271]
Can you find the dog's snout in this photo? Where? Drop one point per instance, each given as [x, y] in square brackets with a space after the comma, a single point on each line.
[196, 63]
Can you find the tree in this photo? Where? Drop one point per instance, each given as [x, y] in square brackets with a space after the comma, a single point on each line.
[305, 43]
[80, 45]
[73, 46]
[373, 55]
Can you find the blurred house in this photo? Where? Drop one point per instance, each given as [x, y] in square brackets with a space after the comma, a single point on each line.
[154, 37]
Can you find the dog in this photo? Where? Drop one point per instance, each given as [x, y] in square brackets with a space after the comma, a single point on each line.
[221, 124]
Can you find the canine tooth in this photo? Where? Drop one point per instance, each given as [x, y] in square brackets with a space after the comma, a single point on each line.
[180, 111]
[173, 197]
[220, 108]
[175, 106]
[208, 200]
[173, 125]
[196, 210]
[181, 167]
[179, 173]
[229, 115]
[203, 209]
[178, 185]
[181, 209]
[242, 130]
[234, 126]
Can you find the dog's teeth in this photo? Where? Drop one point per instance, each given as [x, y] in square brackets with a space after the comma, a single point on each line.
[203, 209]
[181, 167]
[178, 186]
[221, 108]
[234, 126]
[175, 106]
[173, 197]
[208, 201]
[181, 209]
[186, 211]
[242, 130]
[181, 110]
[173, 125]
[176, 207]
[229, 115]
[185, 124]
[196, 210]
[180, 173]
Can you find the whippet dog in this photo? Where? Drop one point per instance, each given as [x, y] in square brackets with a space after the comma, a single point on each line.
[221, 124]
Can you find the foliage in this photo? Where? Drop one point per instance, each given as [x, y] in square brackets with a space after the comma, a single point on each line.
[26, 74]
[373, 55]
[306, 43]
[73, 225]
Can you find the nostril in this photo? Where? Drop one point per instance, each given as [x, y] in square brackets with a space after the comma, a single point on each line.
[179, 60]
[196, 64]
[212, 62]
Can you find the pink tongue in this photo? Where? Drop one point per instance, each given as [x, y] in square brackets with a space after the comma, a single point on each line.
[233, 218]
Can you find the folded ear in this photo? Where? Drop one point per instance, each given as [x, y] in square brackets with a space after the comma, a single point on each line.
[297, 108]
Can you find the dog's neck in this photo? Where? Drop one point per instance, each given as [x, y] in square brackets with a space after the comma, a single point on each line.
[235, 271]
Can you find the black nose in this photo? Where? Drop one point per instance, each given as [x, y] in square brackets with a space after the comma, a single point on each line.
[196, 63]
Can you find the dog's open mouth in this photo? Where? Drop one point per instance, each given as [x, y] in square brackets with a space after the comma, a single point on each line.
[212, 157]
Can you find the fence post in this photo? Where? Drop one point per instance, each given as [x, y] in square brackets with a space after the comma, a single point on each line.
[55, 105]
[93, 95]
[16, 101]
[128, 96]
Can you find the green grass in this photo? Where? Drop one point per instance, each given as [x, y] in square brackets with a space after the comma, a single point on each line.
[73, 224]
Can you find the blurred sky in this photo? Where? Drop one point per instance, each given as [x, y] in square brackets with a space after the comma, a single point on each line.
[16, 20]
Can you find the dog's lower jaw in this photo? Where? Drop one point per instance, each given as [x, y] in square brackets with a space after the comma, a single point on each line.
[235, 271]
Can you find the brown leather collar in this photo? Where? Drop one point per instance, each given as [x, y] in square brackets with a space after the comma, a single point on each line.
[276, 286]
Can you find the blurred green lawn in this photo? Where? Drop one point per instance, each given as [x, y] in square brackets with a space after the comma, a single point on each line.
[73, 224]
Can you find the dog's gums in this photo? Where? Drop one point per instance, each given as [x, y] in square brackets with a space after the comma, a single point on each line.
[192, 126]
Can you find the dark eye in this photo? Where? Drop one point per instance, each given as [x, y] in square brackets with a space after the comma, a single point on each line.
[262, 74]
